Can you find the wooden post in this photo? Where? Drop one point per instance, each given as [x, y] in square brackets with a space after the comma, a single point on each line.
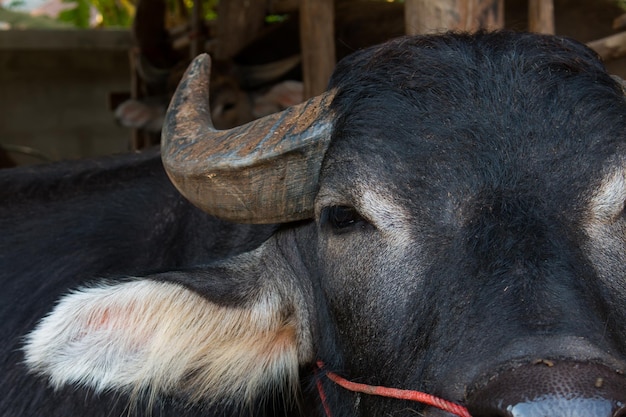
[432, 16]
[239, 21]
[541, 16]
[317, 27]
[197, 39]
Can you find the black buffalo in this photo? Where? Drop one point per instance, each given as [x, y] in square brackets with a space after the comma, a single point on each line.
[448, 218]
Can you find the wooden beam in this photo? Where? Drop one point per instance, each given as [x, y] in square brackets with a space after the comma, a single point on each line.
[64, 40]
[611, 47]
[432, 16]
[317, 27]
[541, 16]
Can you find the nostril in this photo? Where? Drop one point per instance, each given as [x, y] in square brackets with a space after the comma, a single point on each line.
[552, 389]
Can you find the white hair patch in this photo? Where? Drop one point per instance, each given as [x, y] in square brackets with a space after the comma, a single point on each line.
[154, 338]
[388, 216]
[608, 201]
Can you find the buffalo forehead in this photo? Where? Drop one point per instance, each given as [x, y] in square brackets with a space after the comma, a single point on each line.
[540, 119]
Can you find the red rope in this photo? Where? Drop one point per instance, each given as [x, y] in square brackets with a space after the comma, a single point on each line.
[320, 390]
[399, 394]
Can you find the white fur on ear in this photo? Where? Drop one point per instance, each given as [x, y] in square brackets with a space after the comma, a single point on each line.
[147, 337]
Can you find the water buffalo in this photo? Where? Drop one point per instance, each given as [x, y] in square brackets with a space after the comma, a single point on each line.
[447, 218]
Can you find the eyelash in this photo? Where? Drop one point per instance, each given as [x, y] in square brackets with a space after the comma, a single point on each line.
[341, 218]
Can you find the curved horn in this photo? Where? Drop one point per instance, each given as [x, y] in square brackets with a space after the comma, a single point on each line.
[265, 171]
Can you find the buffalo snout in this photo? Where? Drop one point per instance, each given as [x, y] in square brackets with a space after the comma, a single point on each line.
[544, 388]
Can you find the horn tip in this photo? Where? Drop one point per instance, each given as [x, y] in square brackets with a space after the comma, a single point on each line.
[202, 59]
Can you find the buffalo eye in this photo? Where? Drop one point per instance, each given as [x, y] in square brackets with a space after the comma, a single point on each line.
[341, 218]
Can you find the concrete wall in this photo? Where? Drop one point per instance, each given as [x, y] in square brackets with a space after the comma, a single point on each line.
[55, 88]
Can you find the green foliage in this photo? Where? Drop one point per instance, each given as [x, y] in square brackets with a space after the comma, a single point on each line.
[209, 7]
[15, 4]
[115, 12]
[77, 15]
[275, 18]
[120, 13]
[111, 12]
[21, 20]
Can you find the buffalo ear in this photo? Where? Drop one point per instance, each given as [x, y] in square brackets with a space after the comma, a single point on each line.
[150, 337]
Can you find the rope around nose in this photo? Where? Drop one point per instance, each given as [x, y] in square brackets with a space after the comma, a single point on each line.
[399, 394]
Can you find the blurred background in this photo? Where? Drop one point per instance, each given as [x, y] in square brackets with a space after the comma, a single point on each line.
[82, 78]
